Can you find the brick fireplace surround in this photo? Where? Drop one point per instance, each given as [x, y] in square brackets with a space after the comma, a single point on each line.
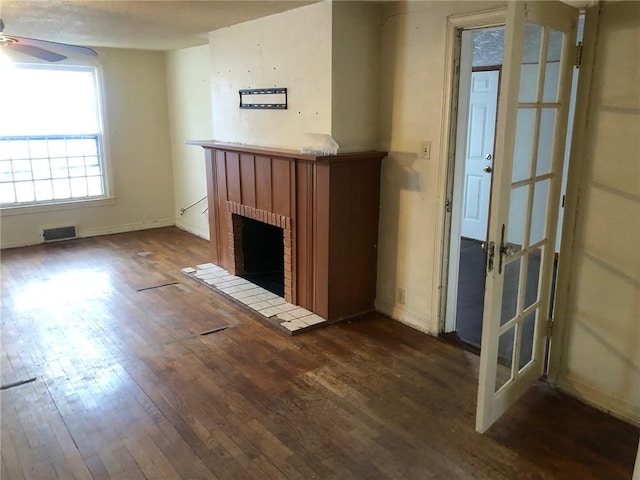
[327, 207]
[237, 210]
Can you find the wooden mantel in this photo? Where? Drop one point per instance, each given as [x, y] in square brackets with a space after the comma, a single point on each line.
[327, 206]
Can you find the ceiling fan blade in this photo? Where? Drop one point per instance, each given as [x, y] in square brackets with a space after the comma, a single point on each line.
[66, 47]
[36, 52]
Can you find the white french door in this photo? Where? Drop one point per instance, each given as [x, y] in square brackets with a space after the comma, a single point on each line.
[529, 151]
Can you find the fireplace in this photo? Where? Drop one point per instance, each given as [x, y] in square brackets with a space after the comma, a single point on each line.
[324, 208]
[248, 225]
[261, 253]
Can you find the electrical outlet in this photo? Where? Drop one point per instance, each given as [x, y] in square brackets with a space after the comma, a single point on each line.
[400, 295]
[426, 149]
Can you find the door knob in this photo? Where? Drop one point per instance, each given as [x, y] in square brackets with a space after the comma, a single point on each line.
[487, 169]
[488, 156]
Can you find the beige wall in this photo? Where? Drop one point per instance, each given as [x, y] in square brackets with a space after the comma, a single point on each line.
[601, 355]
[292, 50]
[411, 111]
[356, 71]
[188, 87]
[135, 100]
[326, 54]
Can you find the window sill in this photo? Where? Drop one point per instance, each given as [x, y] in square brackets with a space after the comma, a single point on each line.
[52, 207]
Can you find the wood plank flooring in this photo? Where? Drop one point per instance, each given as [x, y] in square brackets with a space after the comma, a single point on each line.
[127, 388]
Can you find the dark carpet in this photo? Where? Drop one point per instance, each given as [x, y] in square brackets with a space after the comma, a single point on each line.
[470, 303]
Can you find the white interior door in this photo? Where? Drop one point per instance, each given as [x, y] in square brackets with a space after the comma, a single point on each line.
[529, 150]
[483, 103]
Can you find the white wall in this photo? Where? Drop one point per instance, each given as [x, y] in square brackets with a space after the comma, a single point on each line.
[189, 92]
[601, 354]
[137, 126]
[411, 108]
[292, 50]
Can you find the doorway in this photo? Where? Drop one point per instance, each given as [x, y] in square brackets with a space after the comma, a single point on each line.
[481, 58]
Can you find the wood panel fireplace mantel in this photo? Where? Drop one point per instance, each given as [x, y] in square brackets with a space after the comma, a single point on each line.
[327, 207]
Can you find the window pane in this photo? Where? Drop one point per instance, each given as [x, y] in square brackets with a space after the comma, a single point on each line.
[517, 218]
[78, 187]
[22, 170]
[50, 133]
[18, 149]
[510, 291]
[40, 169]
[38, 148]
[554, 52]
[7, 193]
[78, 147]
[527, 336]
[59, 168]
[545, 140]
[61, 189]
[57, 148]
[523, 149]
[534, 264]
[505, 358]
[93, 170]
[44, 101]
[539, 211]
[5, 171]
[24, 192]
[95, 186]
[530, 63]
[4, 150]
[76, 167]
[44, 190]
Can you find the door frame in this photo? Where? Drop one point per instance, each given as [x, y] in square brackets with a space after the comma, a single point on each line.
[557, 343]
[462, 136]
[495, 18]
[446, 176]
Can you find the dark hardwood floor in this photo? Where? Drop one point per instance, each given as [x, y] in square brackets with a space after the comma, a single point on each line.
[126, 387]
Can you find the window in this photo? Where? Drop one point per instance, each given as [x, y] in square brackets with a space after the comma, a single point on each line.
[50, 135]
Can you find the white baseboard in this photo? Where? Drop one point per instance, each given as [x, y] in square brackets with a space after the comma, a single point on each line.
[599, 399]
[128, 227]
[92, 232]
[194, 231]
[20, 242]
[401, 314]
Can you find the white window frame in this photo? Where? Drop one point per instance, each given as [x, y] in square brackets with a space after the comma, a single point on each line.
[107, 198]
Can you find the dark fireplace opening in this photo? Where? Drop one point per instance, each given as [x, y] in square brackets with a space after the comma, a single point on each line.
[263, 255]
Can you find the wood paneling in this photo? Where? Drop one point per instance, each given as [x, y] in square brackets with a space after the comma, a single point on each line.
[248, 180]
[221, 211]
[333, 205]
[321, 239]
[281, 186]
[212, 204]
[126, 388]
[232, 176]
[263, 183]
[303, 228]
[343, 189]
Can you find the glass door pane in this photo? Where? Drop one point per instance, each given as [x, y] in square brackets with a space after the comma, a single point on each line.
[526, 239]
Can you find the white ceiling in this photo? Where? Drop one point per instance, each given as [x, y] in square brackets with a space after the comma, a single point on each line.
[150, 24]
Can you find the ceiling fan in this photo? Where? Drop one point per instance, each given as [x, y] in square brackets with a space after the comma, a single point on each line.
[40, 48]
